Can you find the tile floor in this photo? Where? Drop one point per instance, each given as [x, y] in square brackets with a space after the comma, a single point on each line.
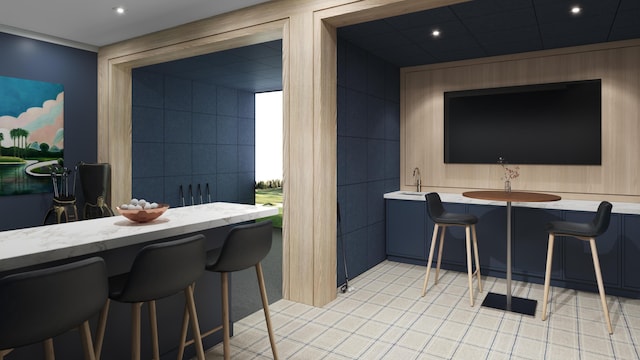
[384, 317]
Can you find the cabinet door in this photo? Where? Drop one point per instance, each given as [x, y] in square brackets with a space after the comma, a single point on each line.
[578, 261]
[530, 241]
[491, 230]
[631, 254]
[406, 230]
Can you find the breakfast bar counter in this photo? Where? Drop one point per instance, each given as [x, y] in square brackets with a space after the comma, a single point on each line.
[36, 245]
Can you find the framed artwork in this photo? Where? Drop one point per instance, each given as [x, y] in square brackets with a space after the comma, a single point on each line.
[31, 134]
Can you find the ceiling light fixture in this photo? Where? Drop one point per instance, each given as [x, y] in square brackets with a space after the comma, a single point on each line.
[435, 33]
[575, 10]
[120, 10]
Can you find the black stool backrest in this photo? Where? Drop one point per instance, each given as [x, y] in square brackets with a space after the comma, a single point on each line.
[40, 304]
[601, 220]
[163, 269]
[434, 206]
[245, 246]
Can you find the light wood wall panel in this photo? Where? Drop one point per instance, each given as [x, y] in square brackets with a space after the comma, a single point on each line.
[617, 64]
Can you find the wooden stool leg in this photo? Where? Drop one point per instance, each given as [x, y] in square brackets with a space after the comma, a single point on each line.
[48, 349]
[4, 353]
[226, 346]
[547, 276]
[477, 256]
[153, 322]
[195, 326]
[467, 230]
[87, 343]
[183, 332]
[102, 326]
[440, 247]
[433, 246]
[135, 330]
[603, 299]
[265, 306]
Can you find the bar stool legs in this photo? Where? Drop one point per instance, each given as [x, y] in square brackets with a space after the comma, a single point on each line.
[190, 316]
[470, 235]
[547, 276]
[226, 330]
[265, 306]
[596, 267]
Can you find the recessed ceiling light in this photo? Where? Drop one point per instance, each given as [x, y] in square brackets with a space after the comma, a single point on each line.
[575, 10]
[120, 10]
[435, 33]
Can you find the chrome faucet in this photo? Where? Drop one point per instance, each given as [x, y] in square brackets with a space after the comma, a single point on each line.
[416, 177]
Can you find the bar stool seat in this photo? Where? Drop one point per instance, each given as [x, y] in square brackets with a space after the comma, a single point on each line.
[158, 271]
[38, 305]
[245, 246]
[586, 232]
[443, 219]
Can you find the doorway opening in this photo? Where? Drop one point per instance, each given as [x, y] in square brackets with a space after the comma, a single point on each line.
[268, 152]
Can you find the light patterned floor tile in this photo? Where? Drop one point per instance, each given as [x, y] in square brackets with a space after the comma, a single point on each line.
[387, 318]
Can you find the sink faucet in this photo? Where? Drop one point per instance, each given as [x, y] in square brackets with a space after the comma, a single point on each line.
[416, 176]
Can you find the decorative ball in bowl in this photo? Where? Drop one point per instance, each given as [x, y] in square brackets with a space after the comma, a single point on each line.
[142, 213]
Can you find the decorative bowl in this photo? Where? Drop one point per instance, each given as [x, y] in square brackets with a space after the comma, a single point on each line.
[142, 216]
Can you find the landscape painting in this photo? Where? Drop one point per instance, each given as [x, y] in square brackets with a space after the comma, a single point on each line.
[31, 134]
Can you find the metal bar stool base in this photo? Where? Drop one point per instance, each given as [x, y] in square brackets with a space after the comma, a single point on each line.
[518, 305]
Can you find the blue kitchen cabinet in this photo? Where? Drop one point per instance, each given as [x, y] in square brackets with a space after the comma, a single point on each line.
[631, 252]
[407, 231]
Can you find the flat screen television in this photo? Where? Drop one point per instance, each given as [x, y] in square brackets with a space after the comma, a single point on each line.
[552, 124]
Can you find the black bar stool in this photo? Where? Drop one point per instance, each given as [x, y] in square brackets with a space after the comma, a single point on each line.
[158, 271]
[245, 246]
[37, 305]
[443, 219]
[583, 231]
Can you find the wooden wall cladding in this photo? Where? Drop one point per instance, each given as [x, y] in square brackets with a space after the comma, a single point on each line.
[422, 121]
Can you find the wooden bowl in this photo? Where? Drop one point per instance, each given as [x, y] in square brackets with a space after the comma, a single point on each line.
[142, 216]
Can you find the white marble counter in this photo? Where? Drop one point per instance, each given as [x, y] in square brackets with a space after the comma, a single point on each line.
[31, 246]
[575, 205]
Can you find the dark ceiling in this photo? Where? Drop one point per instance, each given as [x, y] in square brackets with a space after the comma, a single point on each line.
[484, 28]
[469, 30]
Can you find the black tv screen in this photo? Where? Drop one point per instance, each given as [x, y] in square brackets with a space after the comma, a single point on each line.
[556, 123]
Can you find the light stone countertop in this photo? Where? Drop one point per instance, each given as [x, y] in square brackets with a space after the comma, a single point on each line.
[40, 244]
[575, 205]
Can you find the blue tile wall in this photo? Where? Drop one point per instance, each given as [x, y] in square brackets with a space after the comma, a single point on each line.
[190, 133]
[204, 128]
[149, 123]
[203, 94]
[227, 102]
[177, 126]
[177, 94]
[368, 154]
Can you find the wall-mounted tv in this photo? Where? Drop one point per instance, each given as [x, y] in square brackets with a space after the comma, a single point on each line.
[555, 123]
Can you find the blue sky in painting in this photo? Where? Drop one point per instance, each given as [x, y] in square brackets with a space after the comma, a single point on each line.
[18, 95]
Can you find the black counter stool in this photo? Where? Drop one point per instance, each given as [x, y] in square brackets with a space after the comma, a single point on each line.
[583, 231]
[443, 219]
[37, 305]
[158, 271]
[245, 246]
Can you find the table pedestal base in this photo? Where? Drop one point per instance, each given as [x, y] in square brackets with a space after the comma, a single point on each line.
[518, 305]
